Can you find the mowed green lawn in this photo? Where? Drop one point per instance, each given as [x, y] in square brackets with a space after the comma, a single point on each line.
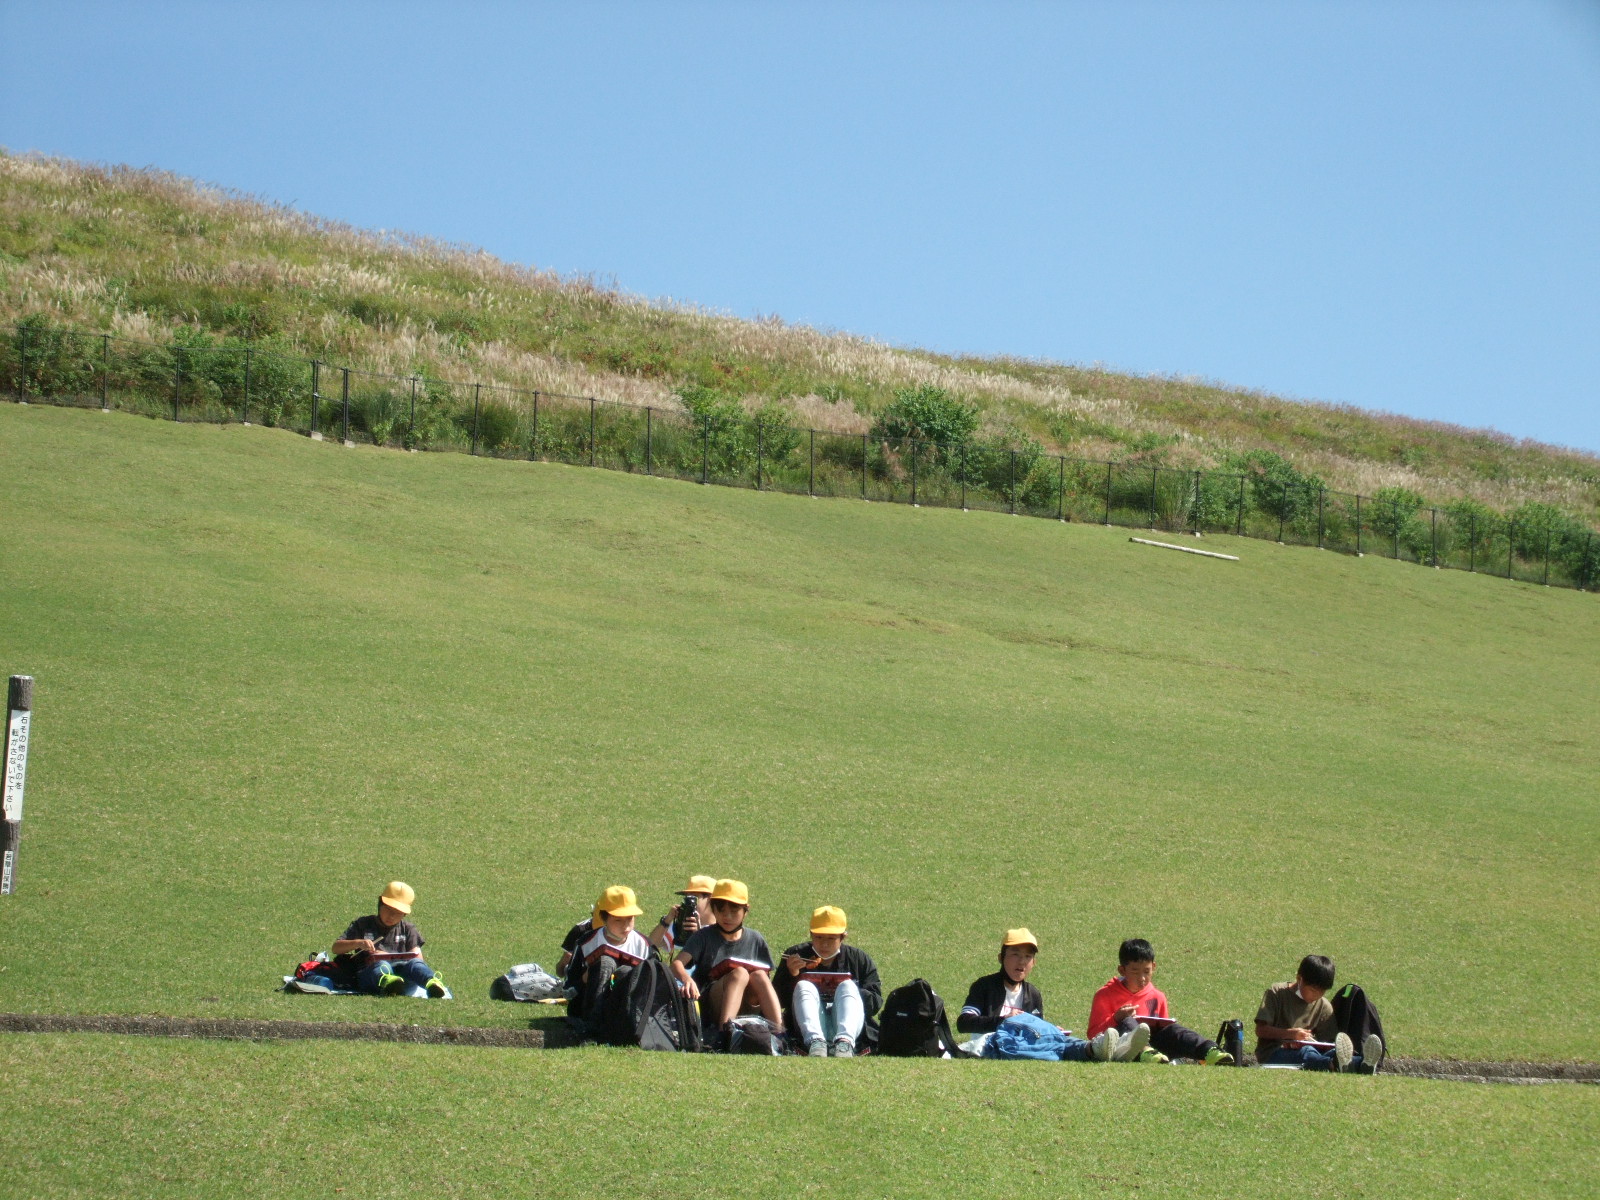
[274, 674]
[154, 1118]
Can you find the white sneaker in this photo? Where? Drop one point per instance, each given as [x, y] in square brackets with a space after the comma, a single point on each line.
[1343, 1051]
[1102, 1045]
[817, 1049]
[1371, 1052]
[1131, 1045]
[843, 1048]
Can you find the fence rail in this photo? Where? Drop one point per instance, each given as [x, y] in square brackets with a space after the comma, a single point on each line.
[194, 381]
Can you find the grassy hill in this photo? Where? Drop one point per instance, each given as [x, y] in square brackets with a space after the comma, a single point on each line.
[273, 674]
[149, 255]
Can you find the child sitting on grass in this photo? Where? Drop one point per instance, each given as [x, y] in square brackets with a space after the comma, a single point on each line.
[828, 990]
[1007, 993]
[1130, 997]
[731, 967]
[1297, 1013]
[382, 954]
[605, 957]
[694, 908]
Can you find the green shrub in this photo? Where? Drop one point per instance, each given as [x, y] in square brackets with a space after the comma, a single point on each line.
[1392, 510]
[926, 413]
[1276, 487]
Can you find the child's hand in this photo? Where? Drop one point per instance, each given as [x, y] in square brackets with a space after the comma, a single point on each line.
[1123, 1013]
[691, 989]
[1298, 1035]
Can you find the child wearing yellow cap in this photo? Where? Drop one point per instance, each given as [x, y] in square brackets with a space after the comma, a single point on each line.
[381, 954]
[605, 958]
[996, 998]
[686, 918]
[829, 991]
[727, 967]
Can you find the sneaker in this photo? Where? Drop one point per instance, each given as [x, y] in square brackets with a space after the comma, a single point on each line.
[817, 1049]
[1343, 1051]
[391, 985]
[1371, 1053]
[309, 988]
[1153, 1056]
[1131, 1045]
[1218, 1057]
[843, 1048]
[435, 988]
[1102, 1045]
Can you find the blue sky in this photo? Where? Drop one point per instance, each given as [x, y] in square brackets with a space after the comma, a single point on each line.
[1393, 205]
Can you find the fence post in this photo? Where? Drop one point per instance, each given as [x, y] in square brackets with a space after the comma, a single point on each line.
[649, 435]
[477, 390]
[1546, 579]
[1472, 541]
[105, 374]
[1061, 487]
[244, 405]
[177, 387]
[864, 453]
[811, 476]
[411, 424]
[533, 446]
[705, 448]
[1238, 524]
[913, 472]
[316, 397]
[1012, 489]
[1283, 509]
[344, 405]
[1435, 551]
[1588, 560]
[1322, 500]
[1511, 549]
[1194, 505]
[963, 477]
[1154, 471]
[1394, 514]
[22, 337]
[758, 456]
[591, 430]
[1108, 495]
[14, 753]
[1358, 524]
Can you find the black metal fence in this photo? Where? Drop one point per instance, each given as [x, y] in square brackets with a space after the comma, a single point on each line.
[195, 381]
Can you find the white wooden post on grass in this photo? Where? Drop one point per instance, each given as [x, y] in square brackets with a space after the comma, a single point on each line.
[19, 712]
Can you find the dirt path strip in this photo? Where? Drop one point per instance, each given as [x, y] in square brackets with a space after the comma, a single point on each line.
[533, 1039]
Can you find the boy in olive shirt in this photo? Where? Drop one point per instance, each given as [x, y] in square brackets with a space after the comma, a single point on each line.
[1295, 1014]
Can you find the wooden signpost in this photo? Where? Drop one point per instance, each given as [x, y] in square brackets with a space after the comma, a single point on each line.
[19, 714]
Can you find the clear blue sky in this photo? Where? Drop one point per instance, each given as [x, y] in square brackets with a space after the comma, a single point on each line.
[1394, 205]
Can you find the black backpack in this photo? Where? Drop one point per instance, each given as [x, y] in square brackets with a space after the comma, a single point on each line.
[1357, 1016]
[643, 1001]
[914, 1025]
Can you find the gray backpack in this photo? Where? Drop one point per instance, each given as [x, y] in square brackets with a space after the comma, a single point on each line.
[527, 982]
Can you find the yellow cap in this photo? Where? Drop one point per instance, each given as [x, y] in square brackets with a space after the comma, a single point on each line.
[702, 884]
[1019, 937]
[731, 890]
[616, 902]
[828, 919]
[399, 896]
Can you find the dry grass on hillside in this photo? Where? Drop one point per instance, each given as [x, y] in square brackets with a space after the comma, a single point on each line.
[138, 252]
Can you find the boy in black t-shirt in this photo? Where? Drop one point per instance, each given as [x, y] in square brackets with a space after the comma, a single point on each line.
[382, 954]
[727, 967]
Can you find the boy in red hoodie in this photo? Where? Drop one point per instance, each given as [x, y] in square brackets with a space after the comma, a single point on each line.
[1131, 998]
